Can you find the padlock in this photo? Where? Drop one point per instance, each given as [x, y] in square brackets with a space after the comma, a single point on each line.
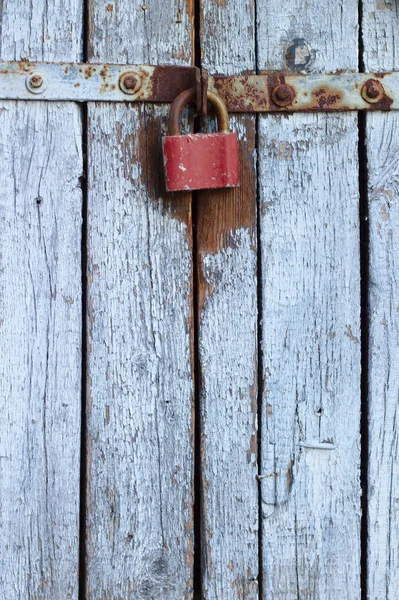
[200, 160]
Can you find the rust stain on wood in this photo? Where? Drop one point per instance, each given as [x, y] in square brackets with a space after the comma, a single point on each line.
[290, 475]
[252, 452]
[220, 213]
[149, 155]
[384, 5]
[350, 335]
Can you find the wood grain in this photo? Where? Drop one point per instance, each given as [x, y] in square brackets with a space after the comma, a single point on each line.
[380, 30]
[310, 316]
[227, 315]
[40, 315]
[140, 376]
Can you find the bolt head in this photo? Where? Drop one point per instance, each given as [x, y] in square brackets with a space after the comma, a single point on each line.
[372, 91]
[130, 82]
[36, 83]
[283, 95]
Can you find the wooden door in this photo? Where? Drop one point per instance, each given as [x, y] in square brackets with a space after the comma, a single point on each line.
[199, 392]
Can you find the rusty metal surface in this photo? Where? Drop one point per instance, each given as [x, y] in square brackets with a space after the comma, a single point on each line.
[242, 93]
[203, 108]
[190, 96]
[308, 93]
[96, 82]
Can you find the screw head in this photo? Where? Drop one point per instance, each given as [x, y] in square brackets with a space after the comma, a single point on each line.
[372, 91]
[283, 95]
[130, 82]
[35, 83]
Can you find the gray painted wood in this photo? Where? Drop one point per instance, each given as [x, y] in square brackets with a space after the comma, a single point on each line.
[380, 30]
[228, 334]
[40, 316]
[310, 316]
[140, 382]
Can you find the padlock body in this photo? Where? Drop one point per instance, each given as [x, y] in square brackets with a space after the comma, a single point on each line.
[201, 161]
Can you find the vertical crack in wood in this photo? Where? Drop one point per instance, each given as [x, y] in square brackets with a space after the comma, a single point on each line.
[260, 390]
[197, 575]
[259, 366]
[85, 31]
[364, 325]
[83, 442]
[197, 436]
[198, 548]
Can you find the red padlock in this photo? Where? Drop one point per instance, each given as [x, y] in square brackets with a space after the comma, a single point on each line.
[200, 160]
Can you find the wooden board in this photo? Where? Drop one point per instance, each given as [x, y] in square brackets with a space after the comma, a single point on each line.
[380, 30]
[140, 381]
[227, 318]
[309, 222]
[40, 315]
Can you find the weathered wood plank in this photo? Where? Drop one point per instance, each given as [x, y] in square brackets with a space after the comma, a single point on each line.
[226, 242]
[140, 396]
[310, 305]
[40, 316]
[380, 41]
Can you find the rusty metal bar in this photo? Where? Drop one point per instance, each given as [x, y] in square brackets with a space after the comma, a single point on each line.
[308, 93]
[82, 82]
[270, 92]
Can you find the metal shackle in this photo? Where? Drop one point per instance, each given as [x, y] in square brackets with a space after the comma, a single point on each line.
[190, 95]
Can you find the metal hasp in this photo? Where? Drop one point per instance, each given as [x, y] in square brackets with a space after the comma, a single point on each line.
[270, 92]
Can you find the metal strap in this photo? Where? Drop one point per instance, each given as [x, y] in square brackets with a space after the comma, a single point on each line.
[270, 92]
[308, 93]
[83, 82]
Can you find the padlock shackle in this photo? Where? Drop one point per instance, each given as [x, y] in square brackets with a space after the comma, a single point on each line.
[190, 95]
